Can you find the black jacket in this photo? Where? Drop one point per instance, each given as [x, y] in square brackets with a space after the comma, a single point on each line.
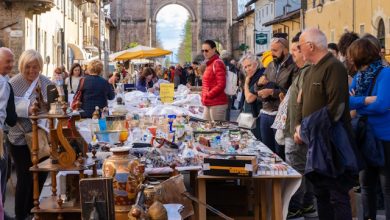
[11, 118]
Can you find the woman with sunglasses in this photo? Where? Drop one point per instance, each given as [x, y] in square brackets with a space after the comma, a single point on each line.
[214, 98]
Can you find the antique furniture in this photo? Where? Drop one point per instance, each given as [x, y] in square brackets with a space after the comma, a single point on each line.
[67, 153]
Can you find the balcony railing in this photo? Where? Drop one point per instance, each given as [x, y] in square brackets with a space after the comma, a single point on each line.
[37, 6]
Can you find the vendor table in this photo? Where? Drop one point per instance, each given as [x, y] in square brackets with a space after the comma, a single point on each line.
[272, 194]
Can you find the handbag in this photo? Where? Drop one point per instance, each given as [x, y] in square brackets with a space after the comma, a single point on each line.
[43, 143]
[76, 102]
[246, 120]
[370, 147]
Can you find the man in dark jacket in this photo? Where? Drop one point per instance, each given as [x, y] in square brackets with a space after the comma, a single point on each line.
[7, 111]
[325, 85]
[279, 71]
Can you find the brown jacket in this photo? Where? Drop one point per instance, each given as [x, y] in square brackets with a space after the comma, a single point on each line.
[283, 77]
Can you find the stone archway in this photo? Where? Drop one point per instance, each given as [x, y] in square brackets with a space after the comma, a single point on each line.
[136, 21]
[194, 25]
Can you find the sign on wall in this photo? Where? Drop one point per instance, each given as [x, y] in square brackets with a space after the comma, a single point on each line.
[261, 38]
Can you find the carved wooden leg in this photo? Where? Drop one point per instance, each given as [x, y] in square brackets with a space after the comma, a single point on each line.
[53, 183]
[36, 190]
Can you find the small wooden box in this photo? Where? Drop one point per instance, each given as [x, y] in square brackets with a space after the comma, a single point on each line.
[240, 166]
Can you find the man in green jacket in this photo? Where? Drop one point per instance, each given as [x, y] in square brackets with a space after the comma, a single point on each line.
[326, 85]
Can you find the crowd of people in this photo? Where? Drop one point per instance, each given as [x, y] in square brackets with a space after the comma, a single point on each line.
[323, 108]
[305, 102]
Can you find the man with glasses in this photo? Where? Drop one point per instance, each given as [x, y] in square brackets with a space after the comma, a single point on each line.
[325, 85]
[280, 71]
[302, 202]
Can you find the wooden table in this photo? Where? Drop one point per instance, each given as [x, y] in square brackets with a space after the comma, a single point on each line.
[260, 191]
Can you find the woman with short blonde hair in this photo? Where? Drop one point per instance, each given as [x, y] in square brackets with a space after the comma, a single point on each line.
[95, 90]
[24, 86]
[95, 67]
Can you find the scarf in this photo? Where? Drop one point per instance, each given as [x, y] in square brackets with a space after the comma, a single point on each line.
[365, 78]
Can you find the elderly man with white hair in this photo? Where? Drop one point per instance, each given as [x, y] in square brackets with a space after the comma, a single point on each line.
[325, 89]
[7, 113]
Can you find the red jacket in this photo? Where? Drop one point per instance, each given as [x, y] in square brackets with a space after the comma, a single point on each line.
[214, 82]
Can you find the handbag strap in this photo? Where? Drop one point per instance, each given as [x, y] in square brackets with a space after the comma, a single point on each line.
[378, 71]
[81, 84]
[31, 88]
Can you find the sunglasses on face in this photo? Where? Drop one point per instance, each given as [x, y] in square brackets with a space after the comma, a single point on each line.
[205, 51]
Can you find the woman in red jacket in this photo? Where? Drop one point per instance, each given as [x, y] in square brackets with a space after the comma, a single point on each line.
[214, 98]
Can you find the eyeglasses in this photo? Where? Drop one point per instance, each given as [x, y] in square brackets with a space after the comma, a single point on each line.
[299, 45]
[205, 51]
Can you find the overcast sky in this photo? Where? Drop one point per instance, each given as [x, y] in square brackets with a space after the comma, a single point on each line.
[170, 25]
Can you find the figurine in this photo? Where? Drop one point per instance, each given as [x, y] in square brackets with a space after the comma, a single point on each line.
[96, 113]
[134, 179]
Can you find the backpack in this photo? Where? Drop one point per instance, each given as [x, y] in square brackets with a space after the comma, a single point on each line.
[231, 86]
[231, 82]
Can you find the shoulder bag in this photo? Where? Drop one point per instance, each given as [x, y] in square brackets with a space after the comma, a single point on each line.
[370, 147]
[246, 119]
[77, 97]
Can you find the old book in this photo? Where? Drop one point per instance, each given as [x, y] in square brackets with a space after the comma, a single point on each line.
[97, 200]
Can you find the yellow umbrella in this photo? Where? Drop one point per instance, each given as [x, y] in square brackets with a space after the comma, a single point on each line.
[139, 52]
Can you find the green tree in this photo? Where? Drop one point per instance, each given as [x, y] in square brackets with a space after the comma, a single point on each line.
[185, 50]
[167, 62]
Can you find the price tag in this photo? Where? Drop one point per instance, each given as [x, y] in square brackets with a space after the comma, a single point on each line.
[167, 91]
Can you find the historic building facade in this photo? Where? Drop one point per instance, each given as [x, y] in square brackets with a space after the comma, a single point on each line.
[62, 31]
[135, 21]
[334, 17]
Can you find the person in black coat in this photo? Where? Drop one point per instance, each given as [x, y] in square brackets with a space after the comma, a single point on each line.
[96, 91]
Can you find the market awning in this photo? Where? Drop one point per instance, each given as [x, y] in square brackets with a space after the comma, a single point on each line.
[139, 52]
[78, 52]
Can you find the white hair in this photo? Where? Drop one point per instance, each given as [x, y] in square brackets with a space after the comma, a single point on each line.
[5, 50]
[249, 56]
[316, 37]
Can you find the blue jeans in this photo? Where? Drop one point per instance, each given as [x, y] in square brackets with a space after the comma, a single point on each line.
[268, 134]
[368, 181]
